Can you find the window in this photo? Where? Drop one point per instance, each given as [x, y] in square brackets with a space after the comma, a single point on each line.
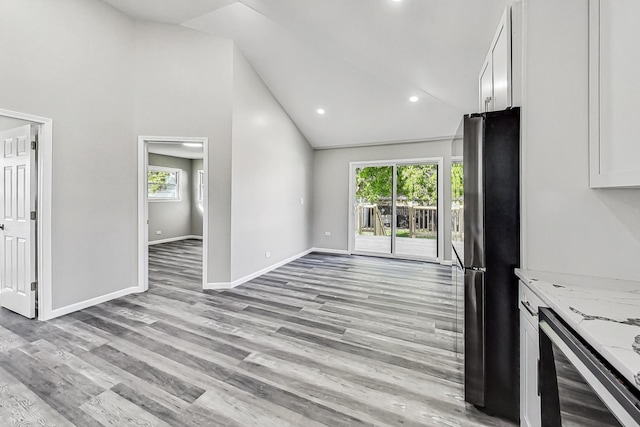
[200, 185]
[163, 183]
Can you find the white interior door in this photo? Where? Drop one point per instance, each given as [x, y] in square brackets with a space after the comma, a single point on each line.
[18, 184]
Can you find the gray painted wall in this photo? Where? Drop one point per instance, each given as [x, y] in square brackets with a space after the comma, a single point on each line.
[331, 187]
[196, 205]
[272, 172]
[183, 85]
[71, 61]
[174, 218]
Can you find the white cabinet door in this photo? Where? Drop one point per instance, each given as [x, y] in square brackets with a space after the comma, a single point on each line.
[486, 87]
[529, 355]
[614, 89]
[501, 64]
[495, 75]
[17, 250]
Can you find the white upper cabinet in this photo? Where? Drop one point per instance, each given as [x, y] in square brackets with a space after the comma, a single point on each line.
[495, 75]
[614, 93]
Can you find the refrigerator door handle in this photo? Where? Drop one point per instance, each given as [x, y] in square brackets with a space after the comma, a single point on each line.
[473, 146]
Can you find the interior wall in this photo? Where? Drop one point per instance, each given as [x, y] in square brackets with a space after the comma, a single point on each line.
[456, 147]
[568, 227]
[183, 87]
[272, 177]
[69, 60]
[197, 208]
[7, 123]
[331, 187]
[172, 218]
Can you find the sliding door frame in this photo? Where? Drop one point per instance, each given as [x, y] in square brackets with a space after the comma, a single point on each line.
[394, 164]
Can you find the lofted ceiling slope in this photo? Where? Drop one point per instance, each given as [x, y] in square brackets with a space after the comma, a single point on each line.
[359, 60]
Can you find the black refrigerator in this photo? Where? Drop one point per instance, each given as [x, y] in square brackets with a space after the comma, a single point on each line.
[491, 151]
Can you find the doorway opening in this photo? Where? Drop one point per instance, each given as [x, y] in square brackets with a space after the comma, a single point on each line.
[396, 209]
[25, 214]
[173, 206]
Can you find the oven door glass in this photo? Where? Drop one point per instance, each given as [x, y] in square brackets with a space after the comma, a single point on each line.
[576, 387]
[579, 404]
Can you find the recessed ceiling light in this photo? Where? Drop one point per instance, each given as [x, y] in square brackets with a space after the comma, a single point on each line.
[320, 111]
[414, 98]
[192, 144]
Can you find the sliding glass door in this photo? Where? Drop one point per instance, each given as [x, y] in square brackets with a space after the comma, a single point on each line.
[373, 212]
[395, 209]
[417, 210]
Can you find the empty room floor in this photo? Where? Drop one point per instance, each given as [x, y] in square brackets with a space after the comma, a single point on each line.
[326, 340]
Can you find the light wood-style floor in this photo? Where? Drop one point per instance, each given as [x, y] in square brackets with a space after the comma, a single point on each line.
[323, 341]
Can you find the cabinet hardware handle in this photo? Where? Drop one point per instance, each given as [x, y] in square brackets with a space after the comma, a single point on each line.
[528, 307]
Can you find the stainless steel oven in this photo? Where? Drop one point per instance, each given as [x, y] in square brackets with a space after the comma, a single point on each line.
[577, 386]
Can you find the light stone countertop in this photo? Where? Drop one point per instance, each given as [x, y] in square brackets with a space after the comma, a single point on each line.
[605, 312]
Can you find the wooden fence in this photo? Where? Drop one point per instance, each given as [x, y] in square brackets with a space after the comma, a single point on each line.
[457, 223]
[369, 219]
[420, 220]
[423, 220]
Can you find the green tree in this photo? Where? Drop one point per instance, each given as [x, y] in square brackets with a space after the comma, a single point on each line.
[157, 181]
[457, 183]
[374, 183]
[419, 183]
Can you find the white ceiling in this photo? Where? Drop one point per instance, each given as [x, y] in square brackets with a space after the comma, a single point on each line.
[175, 150]
[360, 60]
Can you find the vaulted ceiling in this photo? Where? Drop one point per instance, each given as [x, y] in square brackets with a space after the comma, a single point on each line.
[358, 60]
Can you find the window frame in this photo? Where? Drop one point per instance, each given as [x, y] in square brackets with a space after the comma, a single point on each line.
[177, 171]
[200, 195]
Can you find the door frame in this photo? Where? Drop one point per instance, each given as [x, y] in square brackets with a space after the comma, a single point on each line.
[143, 206]
[393, 163]
[44, 166]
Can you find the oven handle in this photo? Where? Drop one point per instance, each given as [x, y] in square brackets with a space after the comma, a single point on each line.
[624, 405]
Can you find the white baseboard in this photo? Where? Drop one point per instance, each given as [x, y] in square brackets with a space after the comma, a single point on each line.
[331, 251]
[230, 285]
[173, 239]
[90, 302]
[220, 285]
[446, 262]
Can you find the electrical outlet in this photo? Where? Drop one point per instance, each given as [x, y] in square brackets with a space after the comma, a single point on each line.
[327, 233]
[267, 254]
[159, 232]
[302, 200]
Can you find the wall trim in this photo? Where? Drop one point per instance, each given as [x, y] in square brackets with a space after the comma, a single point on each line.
[400, 141]
[238, 282]
[446, 262]
[174, 239]
[331, 251]
[143, 208]
[90, 302]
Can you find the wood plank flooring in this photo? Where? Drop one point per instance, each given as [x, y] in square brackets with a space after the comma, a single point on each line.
[326, 340]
